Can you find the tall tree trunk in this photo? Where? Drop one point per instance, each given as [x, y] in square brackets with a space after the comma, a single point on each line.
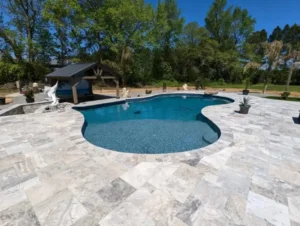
[100, 45]
[266, 86]
[289, 78]
[123, 66]
[30, 47]
[99, 56]
[266, 83]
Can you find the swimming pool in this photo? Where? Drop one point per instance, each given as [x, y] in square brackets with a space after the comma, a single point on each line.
[155, 125]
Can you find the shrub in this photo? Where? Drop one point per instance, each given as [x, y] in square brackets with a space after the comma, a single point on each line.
[202, 82]
[28, 92]
[285, 95]
[169, 83]
[198, 83]
[33, 72]
[221, 82]
[9, 72]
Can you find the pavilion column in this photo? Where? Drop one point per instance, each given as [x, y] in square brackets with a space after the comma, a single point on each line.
[74, 91]
[117, 88]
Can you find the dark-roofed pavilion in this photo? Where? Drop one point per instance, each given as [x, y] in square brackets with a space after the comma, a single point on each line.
[74, 73]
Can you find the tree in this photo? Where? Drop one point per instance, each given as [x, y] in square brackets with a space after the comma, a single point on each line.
[292, 58]
[289, 34]
[167, 30]
[193, 34]
[248, 72]
[258, 37]
[12, 41]
[294, 36]
[68, 20]
[276, 35]
[231, 26]
[217, 20]
[286, 34]
[253, 48]
[174, 26]
[25, 18]
[272, 51]
[242, 25]
[127, 26]
[187, 52]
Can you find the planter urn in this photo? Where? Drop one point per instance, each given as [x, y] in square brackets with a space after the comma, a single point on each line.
[245, 92]
[2, 100]
[29, 100]
[164, 87]
[244, 109]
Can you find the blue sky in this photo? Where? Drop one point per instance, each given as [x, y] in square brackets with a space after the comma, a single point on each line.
[268, 13]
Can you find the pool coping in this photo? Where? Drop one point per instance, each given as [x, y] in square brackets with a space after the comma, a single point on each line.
[225, 140]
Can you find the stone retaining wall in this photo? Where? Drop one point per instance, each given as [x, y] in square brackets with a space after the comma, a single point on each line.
[22, 108]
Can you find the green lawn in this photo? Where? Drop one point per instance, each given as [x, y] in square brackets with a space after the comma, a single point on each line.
[257, 86]
[271, 87]
[297, 99]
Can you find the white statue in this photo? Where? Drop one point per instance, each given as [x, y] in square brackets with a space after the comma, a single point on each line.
[125, 93]
[185, 87]
[51, 92]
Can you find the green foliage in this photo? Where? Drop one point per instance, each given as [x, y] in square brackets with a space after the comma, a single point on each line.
[246, 102]
[258, 37]
[259, 86]
[28, 92]
[168, 83]
[198, 83]
[276, 35]
[230, 26]
[289, 34]
[295, 99]
[203, 82]
[221, 81]
[9, 72]
[145, 45]
[247, 82]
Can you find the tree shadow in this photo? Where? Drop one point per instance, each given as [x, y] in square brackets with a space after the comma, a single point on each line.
[86, 98]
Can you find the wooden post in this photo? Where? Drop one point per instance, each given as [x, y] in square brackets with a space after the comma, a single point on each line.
[74, 90]
[117, 88]
[90, 86]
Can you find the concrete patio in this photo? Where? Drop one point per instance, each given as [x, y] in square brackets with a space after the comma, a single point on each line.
[50, 175]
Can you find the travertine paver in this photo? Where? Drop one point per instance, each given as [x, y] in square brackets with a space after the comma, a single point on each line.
[50, 175]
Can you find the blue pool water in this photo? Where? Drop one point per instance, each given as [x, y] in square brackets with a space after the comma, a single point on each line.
[161, 124]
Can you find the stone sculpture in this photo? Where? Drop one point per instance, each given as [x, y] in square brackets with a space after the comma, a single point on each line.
[185, 87]
[51, 92]
[125, 92]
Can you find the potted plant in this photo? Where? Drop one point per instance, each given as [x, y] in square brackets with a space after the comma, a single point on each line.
[29, 94]
[164, 87]
[248, 71]
[285, 95]
[245, 105]
[247, 83]
[2, 100]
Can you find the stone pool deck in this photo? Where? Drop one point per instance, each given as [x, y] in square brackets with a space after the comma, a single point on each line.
[50, 175]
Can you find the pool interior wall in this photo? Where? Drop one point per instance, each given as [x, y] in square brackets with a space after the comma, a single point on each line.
[159, 124]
